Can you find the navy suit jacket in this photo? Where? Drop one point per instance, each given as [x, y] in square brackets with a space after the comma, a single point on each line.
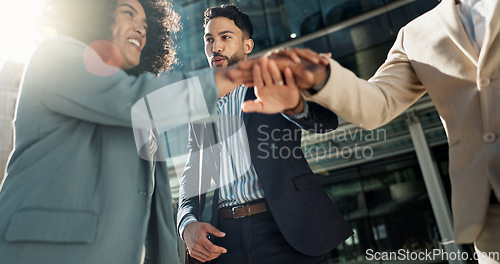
[304, 213]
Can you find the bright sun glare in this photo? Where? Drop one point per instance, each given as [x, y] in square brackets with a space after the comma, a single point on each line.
[20, 29]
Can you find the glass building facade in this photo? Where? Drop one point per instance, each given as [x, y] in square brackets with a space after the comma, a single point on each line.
[391, 183]
[357, 32]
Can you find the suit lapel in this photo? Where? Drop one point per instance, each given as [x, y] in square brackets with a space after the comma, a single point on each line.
[250, 95]
[449, 19]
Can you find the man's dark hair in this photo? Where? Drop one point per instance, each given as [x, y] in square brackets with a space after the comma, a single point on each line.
[91, 20]
[232, 12]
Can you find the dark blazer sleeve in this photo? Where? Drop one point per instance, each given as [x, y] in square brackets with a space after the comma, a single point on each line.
[192, 196]
[319, 120]
[189, 184]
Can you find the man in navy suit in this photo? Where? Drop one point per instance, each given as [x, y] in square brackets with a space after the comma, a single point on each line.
[269, 204]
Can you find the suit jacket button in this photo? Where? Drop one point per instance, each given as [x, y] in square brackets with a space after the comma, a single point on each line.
[485, 82]
[489, 137]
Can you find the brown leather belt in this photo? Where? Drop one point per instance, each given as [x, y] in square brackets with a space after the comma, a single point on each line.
[241, 211]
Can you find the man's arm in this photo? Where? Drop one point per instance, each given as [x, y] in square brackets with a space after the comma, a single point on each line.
[373, 103]
[192, 196]
[368, 104]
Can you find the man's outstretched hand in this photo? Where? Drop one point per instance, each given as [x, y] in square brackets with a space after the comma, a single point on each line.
[274, 94]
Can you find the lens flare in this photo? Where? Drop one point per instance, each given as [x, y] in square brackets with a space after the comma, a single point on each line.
[20, 30]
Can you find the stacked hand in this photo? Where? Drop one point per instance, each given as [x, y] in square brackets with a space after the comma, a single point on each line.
[277, 77]
[301, 68]
[279, 94]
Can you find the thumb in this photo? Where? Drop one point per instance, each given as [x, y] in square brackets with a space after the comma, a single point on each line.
[252, 106]
[214, 231]
[324, 60]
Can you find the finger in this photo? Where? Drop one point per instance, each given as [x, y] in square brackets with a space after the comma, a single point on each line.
[239, 76]
[292, 54]
[283, 61]
[252, 106]
[246, 64]
[211, 248]
[214, 257]
[290, 81]
[297, 69]
[199, 255]
[273, 52]
[214, 231]
[324, 60]
[257, 76]
[287, 53]
[310, 55]
[302, 54]
[306, 79]
[242, 70]
[266, 75]
[275, 73]
[200, 249]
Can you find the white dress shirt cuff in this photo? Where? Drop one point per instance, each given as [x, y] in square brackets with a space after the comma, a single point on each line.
[190, 218]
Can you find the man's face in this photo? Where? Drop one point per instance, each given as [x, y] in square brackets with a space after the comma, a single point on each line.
[224, 43]
[129, 32]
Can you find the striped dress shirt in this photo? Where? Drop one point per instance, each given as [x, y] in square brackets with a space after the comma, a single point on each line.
[475, 16]
[239, 183]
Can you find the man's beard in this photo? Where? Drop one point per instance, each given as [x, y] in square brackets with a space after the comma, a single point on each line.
[234, 59]
[230, 61]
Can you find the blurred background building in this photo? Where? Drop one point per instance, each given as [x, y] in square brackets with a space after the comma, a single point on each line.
[392, 183]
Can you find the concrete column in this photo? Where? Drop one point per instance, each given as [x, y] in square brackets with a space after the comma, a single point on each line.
[434, 186]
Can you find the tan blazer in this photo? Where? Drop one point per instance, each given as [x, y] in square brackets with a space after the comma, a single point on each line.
[433, 54]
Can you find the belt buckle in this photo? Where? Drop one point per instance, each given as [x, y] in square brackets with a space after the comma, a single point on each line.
[234, 211]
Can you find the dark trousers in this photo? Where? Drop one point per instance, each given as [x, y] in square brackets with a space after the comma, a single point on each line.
[257, 240]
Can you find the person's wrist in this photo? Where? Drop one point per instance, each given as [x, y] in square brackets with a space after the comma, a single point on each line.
[186, 228]
[304, 114]
[299, 108]
[185, 223]
[319, 86]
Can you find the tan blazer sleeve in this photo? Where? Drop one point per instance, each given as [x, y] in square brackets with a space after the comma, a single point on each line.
[373, 103]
